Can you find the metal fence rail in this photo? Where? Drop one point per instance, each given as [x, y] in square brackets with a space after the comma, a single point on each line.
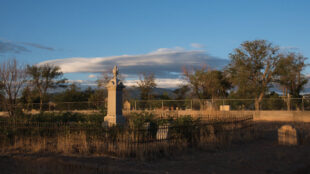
[285, 104]
[150, 141]
[235, 104]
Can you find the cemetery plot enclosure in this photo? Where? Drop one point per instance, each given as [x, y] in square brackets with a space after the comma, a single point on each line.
[150, 141]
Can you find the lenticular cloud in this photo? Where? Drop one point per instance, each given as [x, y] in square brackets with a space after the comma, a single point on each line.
[164, 62]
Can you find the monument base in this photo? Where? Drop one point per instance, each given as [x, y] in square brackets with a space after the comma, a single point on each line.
[112, 120]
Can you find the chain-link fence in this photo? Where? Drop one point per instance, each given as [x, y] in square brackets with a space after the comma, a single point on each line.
[222, 104]
[59, 106]
[284, 104]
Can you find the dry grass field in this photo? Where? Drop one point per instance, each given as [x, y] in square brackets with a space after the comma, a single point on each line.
[261, 154]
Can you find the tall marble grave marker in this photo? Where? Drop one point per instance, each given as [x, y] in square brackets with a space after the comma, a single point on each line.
[115, 88]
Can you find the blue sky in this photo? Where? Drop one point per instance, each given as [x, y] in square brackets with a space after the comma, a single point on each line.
[154, 35]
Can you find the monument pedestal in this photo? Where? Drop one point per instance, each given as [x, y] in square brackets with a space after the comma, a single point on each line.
[114, 120]
[115, 101]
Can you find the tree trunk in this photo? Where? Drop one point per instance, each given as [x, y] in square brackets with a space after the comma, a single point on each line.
[10, 107]
[41, 102]
[41, 105]
[288, 102]
[257, 104]
[257, 101]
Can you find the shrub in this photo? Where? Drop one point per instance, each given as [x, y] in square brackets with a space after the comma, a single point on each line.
[137, 120]
[64, 117]
[185, 121]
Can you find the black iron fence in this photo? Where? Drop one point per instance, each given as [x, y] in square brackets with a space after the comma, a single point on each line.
[148, 141]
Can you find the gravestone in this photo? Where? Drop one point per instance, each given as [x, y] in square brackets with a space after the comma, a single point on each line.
[115, 101]
[146, 126]
[211, 134]
[208, 106]
[162, 132]
[287, 135]
[127, 105]
[210, 129]
[224, 107]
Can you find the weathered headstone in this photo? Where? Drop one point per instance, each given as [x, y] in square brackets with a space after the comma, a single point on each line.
[127, 105]
[146, 126]
[287, 135]
[211, 134]
[207, 105]
[224, 107]
[210, 129]
[162, 132]
[115, 88]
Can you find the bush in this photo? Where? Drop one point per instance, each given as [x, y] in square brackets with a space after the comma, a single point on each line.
[137, 120]
[63, 117]
[185, 121]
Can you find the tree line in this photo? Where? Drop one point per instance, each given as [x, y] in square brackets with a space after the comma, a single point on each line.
[254, 68]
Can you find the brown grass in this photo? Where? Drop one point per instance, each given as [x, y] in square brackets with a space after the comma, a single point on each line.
[79, 143]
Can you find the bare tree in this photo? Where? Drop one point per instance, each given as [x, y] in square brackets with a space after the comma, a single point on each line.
[105, 77]
[146, 83]
[12, 77]
[98, 97]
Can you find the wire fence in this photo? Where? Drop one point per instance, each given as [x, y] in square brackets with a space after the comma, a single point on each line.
[285, 104]
[148, 141]
[222, 104]
[58, 106]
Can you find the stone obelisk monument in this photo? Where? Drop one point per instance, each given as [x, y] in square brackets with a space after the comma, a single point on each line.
[115, 101]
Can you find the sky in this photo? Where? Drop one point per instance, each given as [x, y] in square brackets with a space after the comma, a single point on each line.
[87, 38]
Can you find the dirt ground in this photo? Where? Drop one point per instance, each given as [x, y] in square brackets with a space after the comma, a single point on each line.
[261, 155]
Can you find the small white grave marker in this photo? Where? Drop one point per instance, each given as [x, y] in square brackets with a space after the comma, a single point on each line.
[224, 107]
[287, 135]
[162, 132]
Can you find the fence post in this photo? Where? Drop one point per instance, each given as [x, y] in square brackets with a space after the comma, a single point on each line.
[203, 104]
[162, 107]
[162, 104]
[135, 105]
[288, 102]
[303, 104]
[191, 104]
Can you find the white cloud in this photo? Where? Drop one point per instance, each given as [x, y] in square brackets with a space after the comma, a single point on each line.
[167, 50]
[160, 82]
[83, 82]
[197, 45]
[164, 62]
[75, 81]
[91, 76]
